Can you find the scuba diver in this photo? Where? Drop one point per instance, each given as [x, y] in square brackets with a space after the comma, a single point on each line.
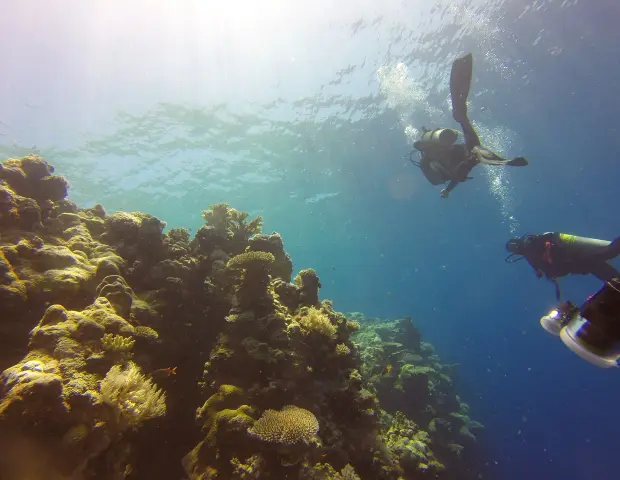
[554, 255]
[592, 331]
[441, 159]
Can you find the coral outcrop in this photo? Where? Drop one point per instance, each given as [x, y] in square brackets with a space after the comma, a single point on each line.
[121, 343]
[428, 424]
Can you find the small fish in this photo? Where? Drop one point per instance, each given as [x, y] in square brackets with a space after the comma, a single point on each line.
[386, 370]
[165, 372]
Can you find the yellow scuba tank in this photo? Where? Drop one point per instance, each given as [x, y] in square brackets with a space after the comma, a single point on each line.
[580, 245]
[438, 137]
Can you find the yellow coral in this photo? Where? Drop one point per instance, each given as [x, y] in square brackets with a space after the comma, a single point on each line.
[342, 350]
[146, 333]
[316, 321]
[325, 471]
[117, 343]
[232, 418]
[291, 425]
[250, 468]
[411, 445]
[222, 409]
[226, 396]
[133, 397]
[251, 260]
[353, 326]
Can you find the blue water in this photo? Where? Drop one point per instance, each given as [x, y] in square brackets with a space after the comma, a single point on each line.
[302, 114]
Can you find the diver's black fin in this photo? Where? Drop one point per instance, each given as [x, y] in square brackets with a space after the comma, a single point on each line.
[460, 82]
[518, 162]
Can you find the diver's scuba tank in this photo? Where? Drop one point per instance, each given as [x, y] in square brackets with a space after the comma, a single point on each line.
[438, 137]
[592, 331]
[580, 245]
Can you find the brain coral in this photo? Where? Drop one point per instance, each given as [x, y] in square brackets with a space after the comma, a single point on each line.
[288, 426]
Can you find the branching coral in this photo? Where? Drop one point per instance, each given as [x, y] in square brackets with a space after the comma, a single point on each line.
[342, 350]
[219, 216]
[178, 236]
[177, 242]
[117, 343]
[133, 397]
[289, 426]
[241, 229]
[248, 469]
[313, 320]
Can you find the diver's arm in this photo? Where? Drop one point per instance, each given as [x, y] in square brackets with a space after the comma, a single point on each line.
[446, 191]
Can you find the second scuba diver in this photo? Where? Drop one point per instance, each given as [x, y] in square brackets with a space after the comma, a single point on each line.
[555, 254]
[441, 159]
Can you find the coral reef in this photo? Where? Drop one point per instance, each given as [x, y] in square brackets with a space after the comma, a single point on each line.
[308, 284]
[120, 343]
[416, 391]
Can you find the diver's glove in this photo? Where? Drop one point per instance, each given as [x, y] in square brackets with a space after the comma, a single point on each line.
[444, 193]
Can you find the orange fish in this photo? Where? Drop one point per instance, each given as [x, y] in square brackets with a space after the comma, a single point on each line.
[166, 372]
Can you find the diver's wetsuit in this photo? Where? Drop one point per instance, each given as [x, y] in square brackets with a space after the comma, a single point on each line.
[451, 164]
[460, 84]
[441, 164]
[556, 255]
[467, 159]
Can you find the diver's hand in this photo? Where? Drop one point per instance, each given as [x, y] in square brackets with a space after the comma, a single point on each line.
[444, 193]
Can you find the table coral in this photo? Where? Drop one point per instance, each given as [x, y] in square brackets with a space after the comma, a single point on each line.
[253, 260]
[288, 426]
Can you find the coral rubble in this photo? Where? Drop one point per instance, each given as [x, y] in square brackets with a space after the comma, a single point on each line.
[121, 344]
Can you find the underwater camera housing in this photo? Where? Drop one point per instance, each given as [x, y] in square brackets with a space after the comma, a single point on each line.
[592, 331]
